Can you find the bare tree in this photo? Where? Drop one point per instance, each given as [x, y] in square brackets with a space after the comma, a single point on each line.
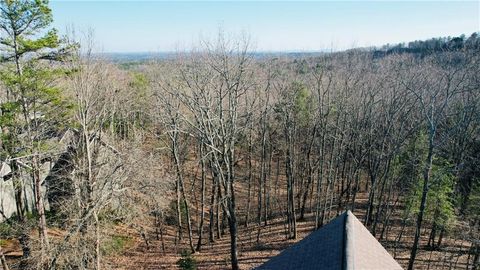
[434, 89]
[210, 86]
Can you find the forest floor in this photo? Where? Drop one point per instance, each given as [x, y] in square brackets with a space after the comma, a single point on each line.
[271, 241]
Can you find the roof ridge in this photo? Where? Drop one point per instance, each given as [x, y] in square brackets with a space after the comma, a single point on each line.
[342, 244]
[348, 245]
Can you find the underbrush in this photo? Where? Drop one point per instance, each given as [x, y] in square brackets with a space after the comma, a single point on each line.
[187, 262]
[115, 244]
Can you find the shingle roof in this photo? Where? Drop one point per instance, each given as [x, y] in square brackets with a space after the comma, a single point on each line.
[344, 243]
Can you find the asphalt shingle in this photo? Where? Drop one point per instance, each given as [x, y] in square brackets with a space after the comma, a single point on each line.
[344, 244]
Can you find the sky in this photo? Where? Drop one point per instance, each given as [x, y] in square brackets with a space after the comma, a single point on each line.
[161, 26]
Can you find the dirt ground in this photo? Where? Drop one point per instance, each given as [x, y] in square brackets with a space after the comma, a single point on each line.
[271, 241]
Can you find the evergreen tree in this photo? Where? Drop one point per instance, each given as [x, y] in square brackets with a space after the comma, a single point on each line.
[439, 210]
[32, 107]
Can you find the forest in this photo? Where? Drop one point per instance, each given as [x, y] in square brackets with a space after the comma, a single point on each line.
[219, 159]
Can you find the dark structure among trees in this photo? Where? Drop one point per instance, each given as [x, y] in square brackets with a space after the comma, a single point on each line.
[343, 244]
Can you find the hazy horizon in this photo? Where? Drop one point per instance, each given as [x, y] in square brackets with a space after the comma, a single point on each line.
[159, 26]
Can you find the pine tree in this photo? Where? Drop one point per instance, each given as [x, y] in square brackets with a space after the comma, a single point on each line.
[34, 107]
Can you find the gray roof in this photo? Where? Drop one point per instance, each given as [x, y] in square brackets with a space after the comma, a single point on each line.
[344, 243]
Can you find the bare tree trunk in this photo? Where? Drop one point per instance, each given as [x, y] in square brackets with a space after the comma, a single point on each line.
[371, 198]
[217, 214]
[18, 191]
[329, 177]
[42, 222]
[268, 184]
[309, 172]
[433, 231]
[250, 176]
[202, 215]
[231, 202]
[380, 198]
[211, 225]
[24, 237]
[289, 164]
[97, 241]
[318, 220]
[182, 189]
[440, 237]
[261, 182]
[232, 224]
[277, 176]
[178, 208]
[389, 213]
[263, 168]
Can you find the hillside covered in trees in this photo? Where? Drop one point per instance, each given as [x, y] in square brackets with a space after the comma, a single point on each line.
[215, 158]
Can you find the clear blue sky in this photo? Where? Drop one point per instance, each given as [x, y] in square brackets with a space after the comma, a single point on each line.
[152, 26]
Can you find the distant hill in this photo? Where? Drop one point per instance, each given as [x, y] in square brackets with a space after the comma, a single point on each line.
[129, 57]
[136, 56]
[429, 46]
[422, 47]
